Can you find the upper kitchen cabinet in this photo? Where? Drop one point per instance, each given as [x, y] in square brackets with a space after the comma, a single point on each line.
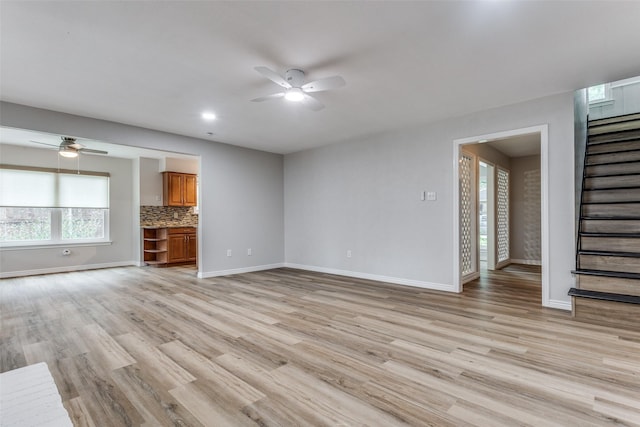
[179, 189]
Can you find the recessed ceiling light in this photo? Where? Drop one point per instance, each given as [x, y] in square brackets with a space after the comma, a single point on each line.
[208, 115]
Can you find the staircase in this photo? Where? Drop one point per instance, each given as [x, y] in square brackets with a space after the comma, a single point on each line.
[608, 253]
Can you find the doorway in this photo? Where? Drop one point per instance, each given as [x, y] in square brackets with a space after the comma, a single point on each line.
[486, 247]
[486, 215]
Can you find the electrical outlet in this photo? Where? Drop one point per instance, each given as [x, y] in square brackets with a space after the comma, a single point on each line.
[249, 252]
[175, 215]
[431, 195]
[349, 253]
[228, 252]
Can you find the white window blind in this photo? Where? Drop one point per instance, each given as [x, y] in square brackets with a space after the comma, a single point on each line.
[27, 188]
[83, 191]
[34, 188]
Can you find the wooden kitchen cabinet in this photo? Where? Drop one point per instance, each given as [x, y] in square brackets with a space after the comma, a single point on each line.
[154, 246]
[182, 245]
[179, 189]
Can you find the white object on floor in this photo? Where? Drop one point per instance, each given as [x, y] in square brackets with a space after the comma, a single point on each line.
[29, 398]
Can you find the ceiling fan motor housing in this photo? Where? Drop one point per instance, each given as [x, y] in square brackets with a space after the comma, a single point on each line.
[294, 77]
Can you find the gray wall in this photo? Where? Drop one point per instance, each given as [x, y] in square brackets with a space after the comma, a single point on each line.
[363, 196]
[241, 190]
[525, 206]
[15, 261]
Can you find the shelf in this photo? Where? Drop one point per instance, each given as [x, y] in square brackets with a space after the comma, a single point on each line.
[154, 246]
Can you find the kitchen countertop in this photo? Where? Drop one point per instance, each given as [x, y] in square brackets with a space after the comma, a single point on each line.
[168, 226]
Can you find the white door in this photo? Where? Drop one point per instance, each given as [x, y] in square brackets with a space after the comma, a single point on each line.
[502, 217]
[468, 217]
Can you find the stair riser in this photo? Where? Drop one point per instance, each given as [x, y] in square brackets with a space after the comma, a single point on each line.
[613, 137]
[601, 183]
[610, 226]
[609, 263]
[617, 119]
[612, 147]
[622, 210]
[615, 244]
[614, 127]
[603, 196]
[613, 169]
[609, 284]
[627, 156]
[607, 313]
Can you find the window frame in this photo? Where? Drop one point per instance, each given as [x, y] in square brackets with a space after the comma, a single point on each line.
[607, 95]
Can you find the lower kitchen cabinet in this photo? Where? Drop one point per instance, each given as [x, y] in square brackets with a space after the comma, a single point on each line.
[182, 245]
[164, 246]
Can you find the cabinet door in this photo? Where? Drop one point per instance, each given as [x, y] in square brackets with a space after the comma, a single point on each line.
[174, 189]
[192, 247]
[176, 251]
[190, 195]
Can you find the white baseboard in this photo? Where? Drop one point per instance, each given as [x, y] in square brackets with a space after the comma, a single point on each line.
[66, 269]
[560, 305]
[207, 274]
[387, 279]
[526, 261]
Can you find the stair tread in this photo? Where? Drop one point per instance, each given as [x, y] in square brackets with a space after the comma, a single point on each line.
[612, 188]
[588, 175]
[621, 235]
[604, 296]
[606, 273]
[618, 162]
[609, 218]
[610, 253]
[608, 202]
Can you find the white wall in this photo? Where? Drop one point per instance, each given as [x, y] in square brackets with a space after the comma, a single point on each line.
[625, 99]
[150, 182]
[15, 261]
[241, 190]
[525, 221]
[363, 196]
[172, 164]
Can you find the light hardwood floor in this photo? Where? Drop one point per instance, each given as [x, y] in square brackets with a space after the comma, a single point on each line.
[158, 347]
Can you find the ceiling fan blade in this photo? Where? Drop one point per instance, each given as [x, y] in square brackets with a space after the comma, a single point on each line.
[91, 151]
[273, 76]
[324, 84]
[311, 103]
[43, 143]
[268, 97]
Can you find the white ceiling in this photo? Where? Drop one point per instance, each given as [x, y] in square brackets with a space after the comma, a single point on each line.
[160, 64]
[517, 146]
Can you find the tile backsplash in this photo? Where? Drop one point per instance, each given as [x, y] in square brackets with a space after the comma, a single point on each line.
[164, 216]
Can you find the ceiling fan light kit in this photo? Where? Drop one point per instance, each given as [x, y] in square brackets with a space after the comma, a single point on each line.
[67, 152]
[296, 89]
[70, 148]
[294, 94]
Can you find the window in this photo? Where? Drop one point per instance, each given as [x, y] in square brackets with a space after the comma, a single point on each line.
[42, 206]
[599, 93]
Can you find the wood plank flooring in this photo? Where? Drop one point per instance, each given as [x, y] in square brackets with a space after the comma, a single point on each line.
[158, 347]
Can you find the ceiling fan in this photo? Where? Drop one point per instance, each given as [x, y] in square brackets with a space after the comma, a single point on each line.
[70, 148]
[296, 89]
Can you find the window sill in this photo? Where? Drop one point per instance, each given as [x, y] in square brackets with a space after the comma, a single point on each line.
[38, 245]
[602, 103]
